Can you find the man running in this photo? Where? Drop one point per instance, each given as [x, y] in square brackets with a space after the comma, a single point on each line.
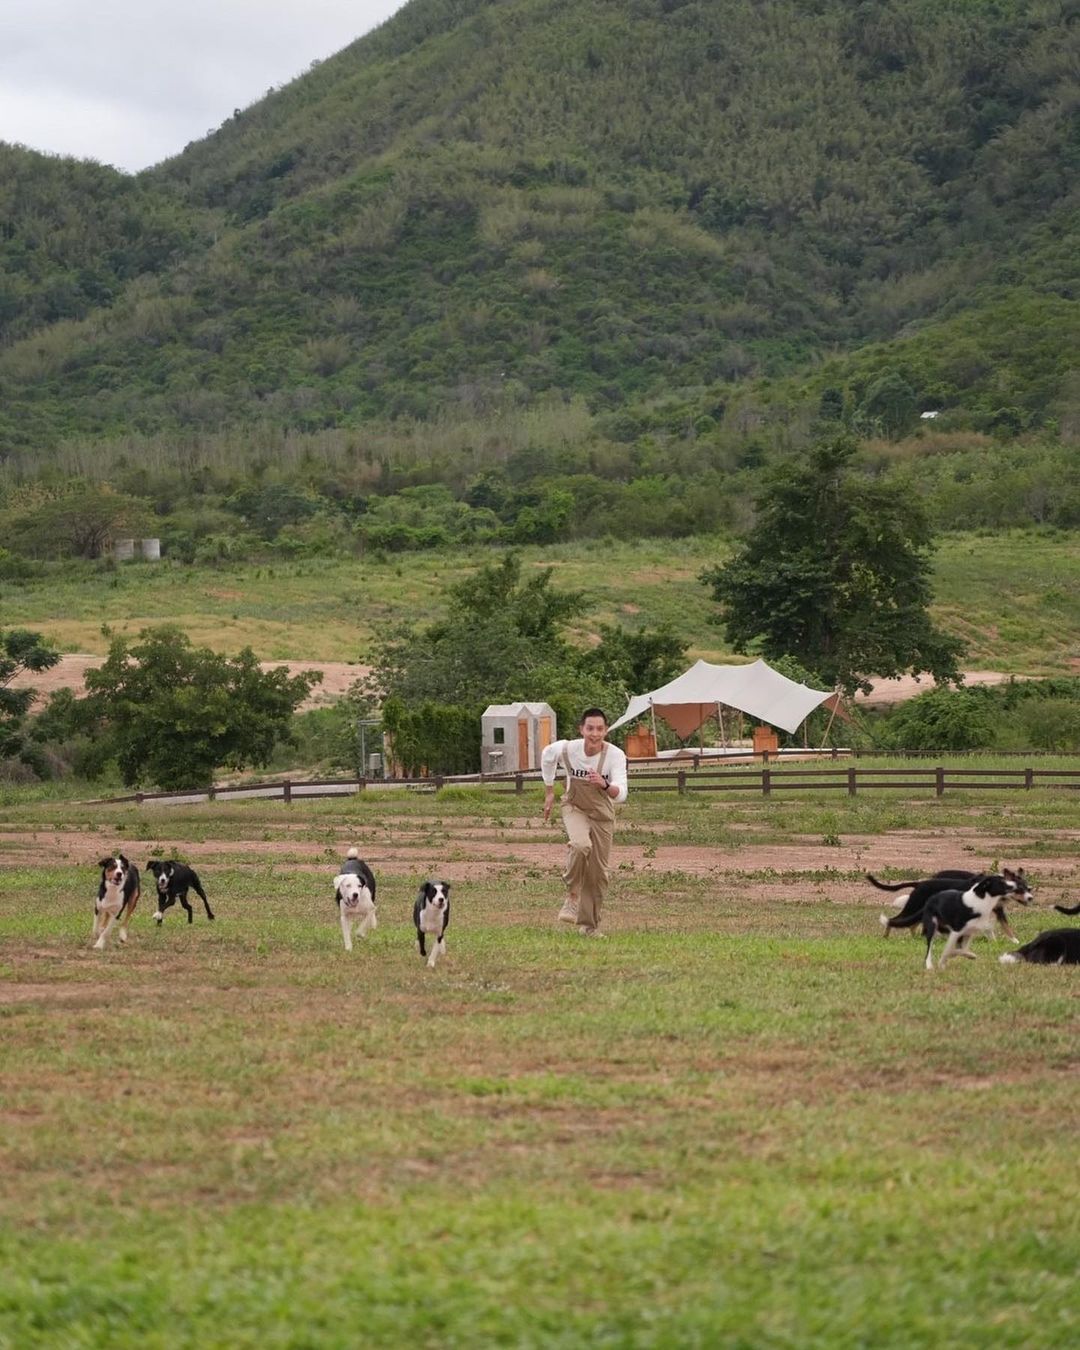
[595, 783]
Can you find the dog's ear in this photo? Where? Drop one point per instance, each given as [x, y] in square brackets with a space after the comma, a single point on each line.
[121, 859]
[446, 889]
[105, 862]
[341, 876]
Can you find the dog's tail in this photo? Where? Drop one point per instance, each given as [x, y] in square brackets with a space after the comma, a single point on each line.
[353, 853]
[887, 886]
[1062, 909]
[903, 920]
[1009, 959]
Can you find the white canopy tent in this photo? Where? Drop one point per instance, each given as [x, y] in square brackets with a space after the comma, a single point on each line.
[755, 689]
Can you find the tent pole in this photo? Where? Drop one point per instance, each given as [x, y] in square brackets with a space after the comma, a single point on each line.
[652, 714]
[720, 719]
[832, 718]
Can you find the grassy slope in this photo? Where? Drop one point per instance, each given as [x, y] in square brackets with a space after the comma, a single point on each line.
[609, 199]
[692, 1135]
[1015, 599]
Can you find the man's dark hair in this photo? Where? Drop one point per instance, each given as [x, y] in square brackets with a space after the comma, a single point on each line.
[592, 712]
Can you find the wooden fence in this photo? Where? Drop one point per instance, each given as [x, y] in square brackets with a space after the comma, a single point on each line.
[765, 782]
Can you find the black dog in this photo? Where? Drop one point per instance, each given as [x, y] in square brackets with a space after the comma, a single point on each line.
[174, 880]
[1055, 947]
[431, 914]
[960, 915]
[921, 891]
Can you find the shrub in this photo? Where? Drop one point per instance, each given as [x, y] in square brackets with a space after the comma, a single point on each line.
[942, 719]
[1051, 724]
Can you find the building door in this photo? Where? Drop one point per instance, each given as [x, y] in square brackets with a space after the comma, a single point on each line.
[524, 761]
[544, 733]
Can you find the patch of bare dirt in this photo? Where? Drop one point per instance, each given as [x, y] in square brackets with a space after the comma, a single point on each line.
[907, 686]
[70, 673]
[816, 870]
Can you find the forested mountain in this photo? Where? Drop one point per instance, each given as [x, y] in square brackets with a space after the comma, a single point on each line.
[486, 205]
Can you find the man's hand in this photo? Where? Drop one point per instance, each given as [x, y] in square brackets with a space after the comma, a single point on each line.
[549, 802]
[596, 779]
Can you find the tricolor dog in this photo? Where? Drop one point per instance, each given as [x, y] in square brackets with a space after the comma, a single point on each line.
[354, 890]
[174, 880]
[1055, 947]
[919, 892]
[431, 915]
[117, 896]
[959, 915]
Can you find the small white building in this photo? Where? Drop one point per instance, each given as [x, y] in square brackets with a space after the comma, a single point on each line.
[513, 735]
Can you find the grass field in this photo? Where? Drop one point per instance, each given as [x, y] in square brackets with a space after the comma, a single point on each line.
[1015, 599]
[744, 1120]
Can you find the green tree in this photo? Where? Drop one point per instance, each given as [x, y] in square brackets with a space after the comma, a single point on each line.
[635, 662]
[835, 572]
[81, 520]
[173, 713]
[20, 651]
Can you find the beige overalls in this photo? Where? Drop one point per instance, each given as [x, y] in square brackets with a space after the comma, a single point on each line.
[589, 816]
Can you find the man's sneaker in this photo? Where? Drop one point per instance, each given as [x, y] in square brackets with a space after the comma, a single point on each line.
[590, 932]
[568, 913]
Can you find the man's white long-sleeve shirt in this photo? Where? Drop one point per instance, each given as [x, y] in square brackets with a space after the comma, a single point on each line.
[582, 764]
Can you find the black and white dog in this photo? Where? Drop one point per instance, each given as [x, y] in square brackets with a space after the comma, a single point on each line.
[1055, 947]
[354, 891]
[915, 901]
[117, 896]
[174, 880]
[431, 914]
[959, 915]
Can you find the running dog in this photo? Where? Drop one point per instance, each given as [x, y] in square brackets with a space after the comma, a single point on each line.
[174, 880]
[431, 915]
[354, 891]
[915, 901]
[117, 896]
[960, 915]
[1055, 947]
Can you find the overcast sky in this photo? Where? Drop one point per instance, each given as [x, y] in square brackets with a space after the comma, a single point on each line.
[131, 82]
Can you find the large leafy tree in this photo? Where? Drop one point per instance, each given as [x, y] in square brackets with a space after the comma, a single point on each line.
[504, 639]
[20, 651]
[173, 713]
[835, 572]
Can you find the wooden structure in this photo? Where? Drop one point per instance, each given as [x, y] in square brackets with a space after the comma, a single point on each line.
[513, 736]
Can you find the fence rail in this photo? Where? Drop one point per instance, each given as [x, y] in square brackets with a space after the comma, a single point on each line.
[765, 782]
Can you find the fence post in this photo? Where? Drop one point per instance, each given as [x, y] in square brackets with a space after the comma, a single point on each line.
[766, 778]
[286, 790]
[361, 784]
[439, 781]
[835, 753]
[1029, 777]
[139, 799]
[519, 783]
[852, 785]
[681, 782]
[211, 793]
[939, 781]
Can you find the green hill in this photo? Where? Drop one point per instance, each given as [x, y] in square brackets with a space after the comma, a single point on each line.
[483, 205]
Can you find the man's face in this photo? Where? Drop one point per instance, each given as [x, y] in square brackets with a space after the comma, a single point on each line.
[592, 730]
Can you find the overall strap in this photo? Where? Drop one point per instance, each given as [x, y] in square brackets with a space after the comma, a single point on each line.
[603, 756]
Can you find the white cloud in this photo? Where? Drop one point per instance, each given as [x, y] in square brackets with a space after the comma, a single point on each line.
[131, 82]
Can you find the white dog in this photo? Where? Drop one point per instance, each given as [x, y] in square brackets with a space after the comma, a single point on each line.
[355, 896]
